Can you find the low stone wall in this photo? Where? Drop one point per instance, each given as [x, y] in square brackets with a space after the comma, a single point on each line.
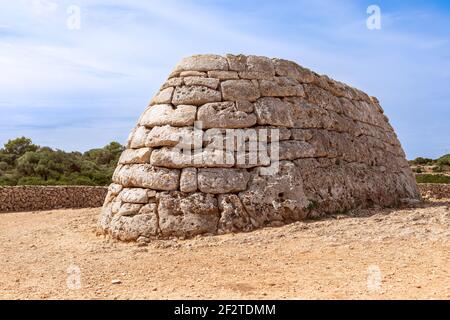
[435, 190]
[31, 198]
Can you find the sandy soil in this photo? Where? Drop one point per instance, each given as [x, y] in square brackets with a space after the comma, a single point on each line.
[375, 254]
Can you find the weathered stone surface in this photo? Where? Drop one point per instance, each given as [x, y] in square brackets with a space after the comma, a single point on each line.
[224, 115]
[164, 114]
[278, 197]
[188, 180]
[281, 87]
[274, 111]
[185, 216]
[164, 96]
[222, 180]
[173, 82]
[167, 136]
[234, 90]
[195, 95]
[178, 158]
[323, 98]
[131, 156]
[293, 70]
[131, 228]
[233, 217]
[224, 75]
[291, 150]
[129, 209]
[245, 106]
[134, 195]
[199, 81]
[138, 137]
[260, 64]
[147, 176]
[149, 209]
[204, 62]
[273, 143]
[252, 159]
[237, 63]
[193, 74]
[115, 189]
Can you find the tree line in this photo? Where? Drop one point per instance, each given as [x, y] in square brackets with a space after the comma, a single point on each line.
[25, 163]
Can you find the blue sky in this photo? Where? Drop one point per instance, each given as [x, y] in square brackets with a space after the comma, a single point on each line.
[81, 89]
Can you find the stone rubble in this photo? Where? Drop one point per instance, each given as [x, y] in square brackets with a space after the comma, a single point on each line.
[337, 152]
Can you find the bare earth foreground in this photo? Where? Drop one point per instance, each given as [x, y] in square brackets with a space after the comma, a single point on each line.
[372, 254]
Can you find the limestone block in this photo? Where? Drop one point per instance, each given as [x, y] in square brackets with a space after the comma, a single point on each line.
[217, 181]
[281, 87]
[172, 82]
[167, 136]
[115, 189]
[293, 70]
[178, 158]
[323, 98]
[164, 114]
[245, 106]
[290, 150]
[186, 216]
[195, 95]
[205, 62]
[188, 180]
[138, 137]
[274, 111]
[237, 63]
[134, 195]
[234, 90]
[130, 228]
[132, 156]
[224, 115]
[200, 81]
[278, 197]
[260, 64]
[233, 217]
[147, 176]
[193, 74]
[149, 209]
[223, 75]
[163, 97]
[129, 209]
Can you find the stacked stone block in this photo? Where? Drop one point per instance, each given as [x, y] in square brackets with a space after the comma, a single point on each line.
[337, 151]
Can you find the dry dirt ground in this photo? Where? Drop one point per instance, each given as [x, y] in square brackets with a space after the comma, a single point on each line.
[371, 254]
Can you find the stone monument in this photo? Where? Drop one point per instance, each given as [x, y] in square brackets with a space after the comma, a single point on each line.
[235, 143]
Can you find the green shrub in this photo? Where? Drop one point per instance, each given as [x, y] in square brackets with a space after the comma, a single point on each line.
[432, 178]
[422, 161]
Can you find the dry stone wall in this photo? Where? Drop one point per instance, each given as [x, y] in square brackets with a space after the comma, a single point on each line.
[435, 190]
[33, 198]
[336, 151]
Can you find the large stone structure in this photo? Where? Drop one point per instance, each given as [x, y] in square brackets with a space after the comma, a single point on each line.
[336, 151]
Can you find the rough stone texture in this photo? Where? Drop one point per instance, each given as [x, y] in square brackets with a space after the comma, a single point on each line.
[195, 95]
[164, 114]
[33, 198]
[224, 115]
[235, 90]
[132, 156]
[337, 152]
[435, 190]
